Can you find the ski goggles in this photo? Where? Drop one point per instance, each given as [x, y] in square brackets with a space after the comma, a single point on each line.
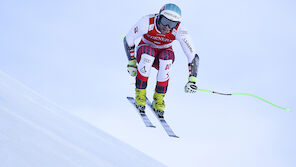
[166, 22]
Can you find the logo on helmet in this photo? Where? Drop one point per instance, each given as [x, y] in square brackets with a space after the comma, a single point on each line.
[171, 14]
[171, 11]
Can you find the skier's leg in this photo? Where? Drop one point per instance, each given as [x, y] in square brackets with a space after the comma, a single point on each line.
[166, 59]
[145, 59]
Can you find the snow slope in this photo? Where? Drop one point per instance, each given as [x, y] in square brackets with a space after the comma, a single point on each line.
[35, 132]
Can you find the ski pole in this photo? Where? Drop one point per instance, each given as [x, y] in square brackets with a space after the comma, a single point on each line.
[247, 94]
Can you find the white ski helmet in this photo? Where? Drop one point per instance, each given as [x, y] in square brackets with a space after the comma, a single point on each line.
[171, 11]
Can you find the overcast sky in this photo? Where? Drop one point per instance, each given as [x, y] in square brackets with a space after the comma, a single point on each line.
[71, 52]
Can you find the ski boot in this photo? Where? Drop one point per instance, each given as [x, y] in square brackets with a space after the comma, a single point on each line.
[141, 99]
[158, 104]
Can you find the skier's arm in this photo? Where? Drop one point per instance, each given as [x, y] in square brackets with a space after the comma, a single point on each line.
[139, 29]
[129, 50]
[193, 59]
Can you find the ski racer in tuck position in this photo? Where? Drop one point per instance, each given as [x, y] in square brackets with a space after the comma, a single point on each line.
[157, 32]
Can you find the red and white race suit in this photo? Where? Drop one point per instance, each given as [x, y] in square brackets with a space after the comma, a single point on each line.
[155, 50]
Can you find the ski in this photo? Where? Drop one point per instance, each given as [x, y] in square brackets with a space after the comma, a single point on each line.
[162, 121]
[143, 115]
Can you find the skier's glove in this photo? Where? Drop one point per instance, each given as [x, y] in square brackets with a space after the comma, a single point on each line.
[191, 86]
[132, 67]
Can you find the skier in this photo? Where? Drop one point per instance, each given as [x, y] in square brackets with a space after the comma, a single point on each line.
[158, 31]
